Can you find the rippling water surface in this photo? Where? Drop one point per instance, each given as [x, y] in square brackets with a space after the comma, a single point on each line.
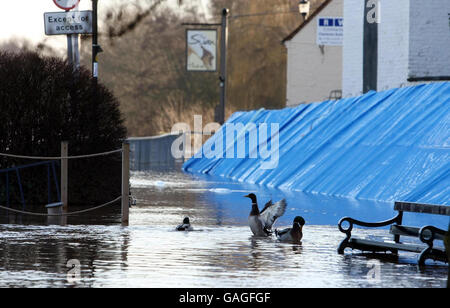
[220, 253]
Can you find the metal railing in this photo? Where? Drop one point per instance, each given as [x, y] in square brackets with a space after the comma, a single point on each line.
[150, 153]
[51, 171]
[62, 192]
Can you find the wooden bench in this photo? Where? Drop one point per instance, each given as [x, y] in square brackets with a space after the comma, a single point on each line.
[427, 234]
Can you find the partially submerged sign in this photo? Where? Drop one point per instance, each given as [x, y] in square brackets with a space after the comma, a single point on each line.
[201, 50]
[330, 31]
[76, 22]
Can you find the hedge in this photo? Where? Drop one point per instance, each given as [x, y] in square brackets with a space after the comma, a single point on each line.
[43, 102]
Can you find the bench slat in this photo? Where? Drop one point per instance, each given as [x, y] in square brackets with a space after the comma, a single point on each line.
[411, 231]
[422, 208]
[405, 230]
[381, 244]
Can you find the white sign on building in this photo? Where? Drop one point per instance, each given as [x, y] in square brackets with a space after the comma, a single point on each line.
[330, 31]
[74, 22]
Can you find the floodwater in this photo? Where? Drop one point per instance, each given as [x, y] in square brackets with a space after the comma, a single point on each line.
[221, 252]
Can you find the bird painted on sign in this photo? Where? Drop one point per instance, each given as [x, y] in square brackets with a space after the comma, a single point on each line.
[293, 234]
[207, 58]
[185, 226]
[261, 222]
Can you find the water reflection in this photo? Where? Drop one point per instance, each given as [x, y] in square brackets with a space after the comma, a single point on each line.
[35, 256]
[223, 253]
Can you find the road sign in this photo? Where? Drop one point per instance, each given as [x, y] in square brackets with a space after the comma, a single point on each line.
[75, 22]
[66, 4]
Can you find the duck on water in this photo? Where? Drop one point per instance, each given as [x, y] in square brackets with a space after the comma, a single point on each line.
[185, 226]
[293, 234]
[261, 222]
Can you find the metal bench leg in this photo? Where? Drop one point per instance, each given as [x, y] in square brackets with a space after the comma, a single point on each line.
[342, 246]
[424, 256]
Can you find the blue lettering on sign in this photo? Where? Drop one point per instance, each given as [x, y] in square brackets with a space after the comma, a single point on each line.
[331, 22]
[339, 22]
[326, 22]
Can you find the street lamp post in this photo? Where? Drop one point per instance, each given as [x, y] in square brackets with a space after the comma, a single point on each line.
[304, 7]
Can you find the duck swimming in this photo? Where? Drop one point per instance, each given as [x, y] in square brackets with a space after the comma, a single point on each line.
[293, 234]
[185, 226]
[261, 222]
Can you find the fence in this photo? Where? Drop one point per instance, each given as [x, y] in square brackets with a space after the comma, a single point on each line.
[150, 153]
[51, 172]
[124, 198]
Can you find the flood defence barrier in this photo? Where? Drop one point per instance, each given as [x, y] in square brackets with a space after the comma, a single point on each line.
[387, 146]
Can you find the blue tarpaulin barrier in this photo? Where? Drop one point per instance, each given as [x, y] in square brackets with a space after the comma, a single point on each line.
[385, 146]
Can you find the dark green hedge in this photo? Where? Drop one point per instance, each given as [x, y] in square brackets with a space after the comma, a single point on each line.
[42, 102]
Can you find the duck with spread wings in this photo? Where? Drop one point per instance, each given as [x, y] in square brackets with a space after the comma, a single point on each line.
[261, 222]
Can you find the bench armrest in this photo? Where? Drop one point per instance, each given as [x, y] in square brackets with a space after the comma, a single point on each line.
[427, 234]
[352, 221]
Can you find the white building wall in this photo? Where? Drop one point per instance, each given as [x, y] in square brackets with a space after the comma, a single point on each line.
[352, 58]
[429, 49]
[413, 41]
[313, 71]
[393, 44]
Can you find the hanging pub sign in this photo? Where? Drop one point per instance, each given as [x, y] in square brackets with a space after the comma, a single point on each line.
[201, 50]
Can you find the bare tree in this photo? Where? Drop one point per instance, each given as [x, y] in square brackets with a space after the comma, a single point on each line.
[144, 59]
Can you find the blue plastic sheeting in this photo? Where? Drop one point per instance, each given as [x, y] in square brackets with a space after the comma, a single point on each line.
[385, 146]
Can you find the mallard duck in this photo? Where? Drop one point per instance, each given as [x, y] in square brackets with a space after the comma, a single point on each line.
[261, 222]
[185, 226]
[293, 234]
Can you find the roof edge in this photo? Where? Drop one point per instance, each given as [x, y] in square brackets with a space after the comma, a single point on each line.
[306, 22]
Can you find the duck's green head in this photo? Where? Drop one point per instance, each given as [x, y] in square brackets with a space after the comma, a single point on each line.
[251, 196]
[186, 220]
[299, 220]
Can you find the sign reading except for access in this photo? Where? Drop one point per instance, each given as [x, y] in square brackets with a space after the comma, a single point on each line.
[66, 4]
[75, 22]
[330, 31]
[201, 53]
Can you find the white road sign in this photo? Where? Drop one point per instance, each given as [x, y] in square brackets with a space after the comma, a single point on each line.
[75, 22]
[66, 4]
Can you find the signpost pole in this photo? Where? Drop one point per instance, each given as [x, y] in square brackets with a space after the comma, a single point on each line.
[73, 49]
[223, 65]
[76, 49]
[69, 49]
[95, 47]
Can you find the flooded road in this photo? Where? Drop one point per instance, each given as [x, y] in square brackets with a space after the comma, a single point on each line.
[220, 253]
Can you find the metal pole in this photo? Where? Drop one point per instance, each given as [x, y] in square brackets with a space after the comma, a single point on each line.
[64, 175]
[76, 52]
[223, 64]
[96, 49]
[125, 183]
[69, 49]
[73, 49]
